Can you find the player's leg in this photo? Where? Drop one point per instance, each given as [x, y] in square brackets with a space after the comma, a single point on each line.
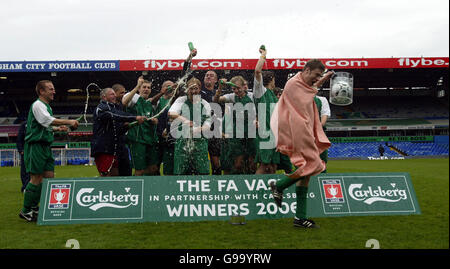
[124, 162]
[152, 160]
[301, 219]
[168, 160]
[225, 157]
[238, 167]
[138, 157]
[180, 163]
[214, 146]
[30, 196]
[237, 155]
[267, 159]
[200, 164]
[39, 163]
[324, 157]
[263, 169]
[250, 156]
[24, 176]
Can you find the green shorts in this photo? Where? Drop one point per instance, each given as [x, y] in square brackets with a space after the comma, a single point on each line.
[285, 163]
[38, 158]
[267, 155]
[143, 155]
[191, 157]
[234, 147]
[324, 156]
[226, 161]
[167, 160]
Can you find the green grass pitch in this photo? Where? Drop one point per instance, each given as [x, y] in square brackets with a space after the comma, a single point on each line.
[426, 231]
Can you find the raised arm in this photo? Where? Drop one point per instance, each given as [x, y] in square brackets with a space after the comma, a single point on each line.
[127, 97]
[258, 87]
[260, 64]
[187, 62]
[324, 79]
[217, 97]
[154, 100]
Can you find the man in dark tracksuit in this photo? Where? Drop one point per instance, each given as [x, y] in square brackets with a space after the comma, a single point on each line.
[107, 139]
[123, 154]
[24, 176]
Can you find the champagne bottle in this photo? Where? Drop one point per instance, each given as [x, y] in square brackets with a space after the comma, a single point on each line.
[229, 83]
[191, 46]
[77, 119]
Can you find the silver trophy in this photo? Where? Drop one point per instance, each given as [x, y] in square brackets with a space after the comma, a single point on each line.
[341, 89]
[59, 196]
[333, 191]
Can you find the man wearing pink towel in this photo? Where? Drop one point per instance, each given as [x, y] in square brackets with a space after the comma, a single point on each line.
[298, 133]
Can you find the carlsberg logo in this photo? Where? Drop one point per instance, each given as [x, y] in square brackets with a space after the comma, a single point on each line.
[369, 195]
[86, 197]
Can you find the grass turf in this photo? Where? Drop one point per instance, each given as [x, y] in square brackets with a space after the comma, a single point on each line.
[426, 231]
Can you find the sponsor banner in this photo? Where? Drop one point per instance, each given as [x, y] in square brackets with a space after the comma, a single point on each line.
[368, 194]
[220, 64]
[59, 66]
[381, 139]
[215, 198]
[384, 158]
[283, 64]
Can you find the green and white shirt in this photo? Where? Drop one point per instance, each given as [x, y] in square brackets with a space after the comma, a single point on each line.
[146, 132]
[39, 121]
[262, 95]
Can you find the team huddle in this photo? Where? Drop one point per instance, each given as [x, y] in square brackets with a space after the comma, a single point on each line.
[192, 128]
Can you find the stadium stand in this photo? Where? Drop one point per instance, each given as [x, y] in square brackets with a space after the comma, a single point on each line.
[6, 158]
[394, 102]
[388, 108]
[370, 149]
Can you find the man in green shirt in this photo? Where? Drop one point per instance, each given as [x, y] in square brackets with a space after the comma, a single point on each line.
[165, 142]
[191, 118]
[323, 108]
[38, 155]
[142, 139]
[238, 146]
[265, 99]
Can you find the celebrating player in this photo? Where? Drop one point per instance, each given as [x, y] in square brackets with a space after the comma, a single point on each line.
[238, 148]
[266, 155]
[38, 155]
[142, 138]
[108, 130]
[191, 148]
[299, 134]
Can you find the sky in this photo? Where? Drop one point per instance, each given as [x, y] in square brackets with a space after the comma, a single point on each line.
[48, 30]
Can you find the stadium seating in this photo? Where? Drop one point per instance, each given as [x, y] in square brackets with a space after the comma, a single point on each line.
[77, 157]
[6, 158]
[422, 148]
[370, 149]
[391, 108]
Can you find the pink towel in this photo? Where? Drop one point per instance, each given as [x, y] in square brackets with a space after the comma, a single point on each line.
[297, 129]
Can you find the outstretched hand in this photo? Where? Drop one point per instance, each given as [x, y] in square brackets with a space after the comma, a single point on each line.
[140, 119]
[328, 75]
[73, 124]
[262, 50]
[193, 53]
[222, 83]
[140, 81]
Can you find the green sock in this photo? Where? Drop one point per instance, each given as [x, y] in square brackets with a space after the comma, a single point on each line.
[286, 182]
[37, 195]
[301, 202]
[29, 197]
